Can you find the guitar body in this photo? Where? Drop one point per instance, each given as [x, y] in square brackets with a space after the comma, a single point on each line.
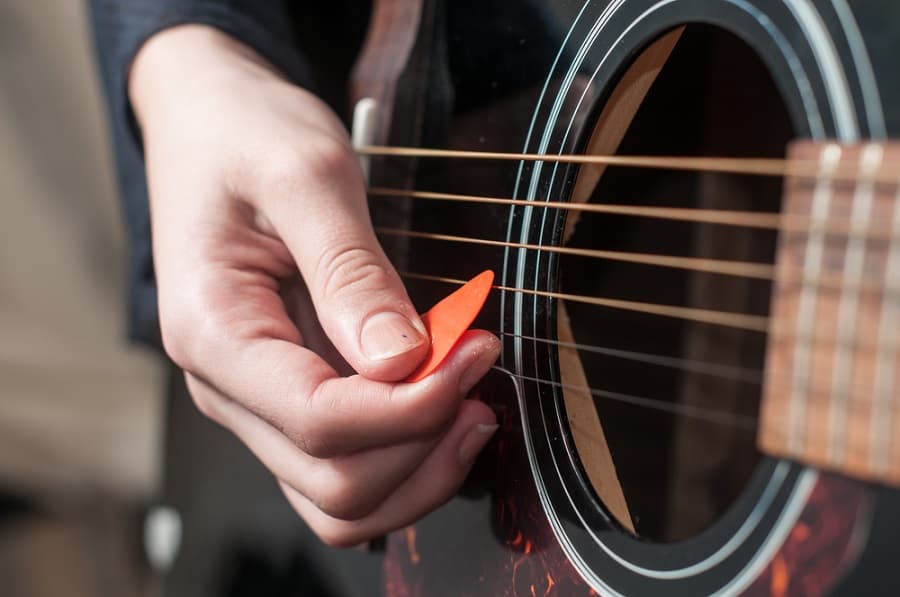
[678, 403]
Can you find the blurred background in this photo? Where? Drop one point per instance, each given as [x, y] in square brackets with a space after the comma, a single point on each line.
[80, 411]
[102, 454]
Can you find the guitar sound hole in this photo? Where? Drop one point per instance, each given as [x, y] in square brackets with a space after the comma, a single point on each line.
[680, 473]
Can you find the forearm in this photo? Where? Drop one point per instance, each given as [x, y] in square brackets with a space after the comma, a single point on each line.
[186, 60]
[121, 28]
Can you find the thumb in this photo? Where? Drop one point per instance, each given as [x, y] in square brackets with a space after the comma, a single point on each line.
[365, 310]
[359, 298]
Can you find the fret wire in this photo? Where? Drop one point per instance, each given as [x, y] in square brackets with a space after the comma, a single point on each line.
[812, 265]
[886, 360]
[854, 261]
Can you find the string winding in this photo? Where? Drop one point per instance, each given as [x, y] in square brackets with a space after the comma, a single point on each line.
[742, 219]
[782, 168]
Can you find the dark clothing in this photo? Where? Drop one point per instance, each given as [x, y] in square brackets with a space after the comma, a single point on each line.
[282, 31]
[286, 32]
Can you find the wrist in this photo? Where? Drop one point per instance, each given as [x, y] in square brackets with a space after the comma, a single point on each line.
[175, 62]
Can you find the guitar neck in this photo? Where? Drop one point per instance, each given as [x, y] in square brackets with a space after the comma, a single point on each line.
[834, 342]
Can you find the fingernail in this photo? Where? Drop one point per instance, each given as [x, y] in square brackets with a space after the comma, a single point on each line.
[478, 369]
[473, 442]
[387, 335]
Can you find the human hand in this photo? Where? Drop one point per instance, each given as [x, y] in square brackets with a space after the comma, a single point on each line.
[271, 280]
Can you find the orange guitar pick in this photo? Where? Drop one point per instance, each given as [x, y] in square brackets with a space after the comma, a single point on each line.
[449, 319]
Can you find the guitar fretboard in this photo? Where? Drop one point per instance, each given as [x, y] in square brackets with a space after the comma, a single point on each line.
[833, 361]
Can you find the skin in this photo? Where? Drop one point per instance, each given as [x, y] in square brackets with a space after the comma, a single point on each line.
[273, 290]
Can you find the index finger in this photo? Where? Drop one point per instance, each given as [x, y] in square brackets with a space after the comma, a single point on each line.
[331, 415]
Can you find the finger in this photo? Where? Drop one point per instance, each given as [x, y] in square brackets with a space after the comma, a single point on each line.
[298, 305]
[348, 487]
[234, 333]
[342, 415]
[433, 483]
[315, 200]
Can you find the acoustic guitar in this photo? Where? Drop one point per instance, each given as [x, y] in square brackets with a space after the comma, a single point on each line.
[691, 207]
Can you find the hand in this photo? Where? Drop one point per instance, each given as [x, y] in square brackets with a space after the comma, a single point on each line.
[252, 182]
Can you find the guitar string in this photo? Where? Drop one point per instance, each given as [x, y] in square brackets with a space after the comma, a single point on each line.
[741, 422]
[724, 318]
[736, 268]
[744, 423]
[754, 323]
[725, 372]
[744, 219]
[772, 167]
[744, 269]
[764, 167]
[715, 369]
[761, 271]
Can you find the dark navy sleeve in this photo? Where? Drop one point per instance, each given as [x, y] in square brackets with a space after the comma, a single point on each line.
[120, 27]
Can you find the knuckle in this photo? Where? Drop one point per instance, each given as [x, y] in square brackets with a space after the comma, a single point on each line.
[349, 270]
[313, 442]
[291, 169]
[175, 333]
[333, 533]
[433, 414]
[187, 325]
[314, 434]
[433, 421]
[342, 498]
[328, 157]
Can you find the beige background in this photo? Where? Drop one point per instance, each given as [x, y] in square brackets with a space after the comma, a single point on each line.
[80, 410]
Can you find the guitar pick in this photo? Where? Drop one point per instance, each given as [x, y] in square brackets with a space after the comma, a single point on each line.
[450, 318]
